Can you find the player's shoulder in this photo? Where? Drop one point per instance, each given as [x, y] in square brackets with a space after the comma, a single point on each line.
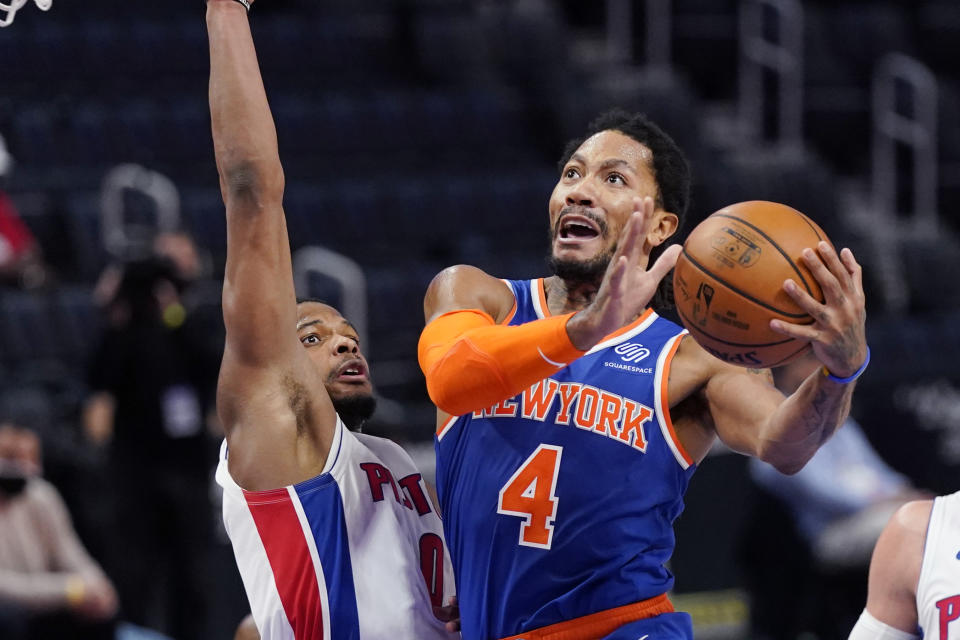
[898, 558]
[899, 550]
[692, 367]
[465, 276]
[462, 271]
[911, 520]
[464, 286]
[461, 274]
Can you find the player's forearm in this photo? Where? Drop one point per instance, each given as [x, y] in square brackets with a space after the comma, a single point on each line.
[804, 421]
[258, 294]
[244, 136]
[471, 363]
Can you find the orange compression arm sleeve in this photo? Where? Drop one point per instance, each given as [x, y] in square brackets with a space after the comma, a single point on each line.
[472, 363]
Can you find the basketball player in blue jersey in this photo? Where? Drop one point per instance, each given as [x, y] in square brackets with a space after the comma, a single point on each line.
[332, 530]
[572, 416]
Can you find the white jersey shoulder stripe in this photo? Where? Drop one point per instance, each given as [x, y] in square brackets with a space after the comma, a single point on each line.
[626, 335]
[663, 404]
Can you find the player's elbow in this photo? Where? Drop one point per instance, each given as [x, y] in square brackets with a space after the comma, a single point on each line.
[448, 399]
[458, 387]
[444, 393]
[788, 465]
[790, 468]
[252, 181]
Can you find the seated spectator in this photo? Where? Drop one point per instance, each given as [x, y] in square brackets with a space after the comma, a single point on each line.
[50, 587]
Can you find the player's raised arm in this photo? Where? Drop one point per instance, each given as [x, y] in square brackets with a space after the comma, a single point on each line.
[265, 368]
[258, 299]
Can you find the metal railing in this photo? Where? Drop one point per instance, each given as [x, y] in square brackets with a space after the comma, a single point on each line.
[657, 32]
[905, 115]
[780, 54]
[346, 273]
[122, 238]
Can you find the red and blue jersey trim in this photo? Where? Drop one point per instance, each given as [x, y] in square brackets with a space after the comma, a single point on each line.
[306, 556]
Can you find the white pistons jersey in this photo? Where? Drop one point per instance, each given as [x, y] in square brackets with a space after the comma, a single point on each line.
[355, 553]
[938, 591]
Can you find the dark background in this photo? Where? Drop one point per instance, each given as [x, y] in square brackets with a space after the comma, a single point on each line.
[416, 134]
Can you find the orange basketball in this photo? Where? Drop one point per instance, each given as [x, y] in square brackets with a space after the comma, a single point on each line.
[728, 282]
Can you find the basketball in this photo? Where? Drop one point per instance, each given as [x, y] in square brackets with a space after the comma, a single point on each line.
[728, 281]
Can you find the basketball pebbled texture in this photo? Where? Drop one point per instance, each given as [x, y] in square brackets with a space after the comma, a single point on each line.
[728, 281]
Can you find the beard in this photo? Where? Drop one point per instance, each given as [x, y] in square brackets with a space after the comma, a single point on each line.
[588, 271]
[581, 271]
[355, 410]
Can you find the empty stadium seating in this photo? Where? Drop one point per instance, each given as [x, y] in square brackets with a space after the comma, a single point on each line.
[414, 133]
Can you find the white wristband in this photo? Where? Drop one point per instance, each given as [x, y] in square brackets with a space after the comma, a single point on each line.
[869, 628]
[246, 4]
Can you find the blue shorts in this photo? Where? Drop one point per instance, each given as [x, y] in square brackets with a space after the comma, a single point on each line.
[666, 626]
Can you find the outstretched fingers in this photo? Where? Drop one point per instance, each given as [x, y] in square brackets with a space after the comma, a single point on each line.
[813, 307]
[837, 331]
[853, 268]
[666, 262]
[830, 272]
[805, 332]
[630, 243]
[618, 272]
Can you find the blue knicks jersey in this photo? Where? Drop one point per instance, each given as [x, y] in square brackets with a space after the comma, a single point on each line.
[559, 502]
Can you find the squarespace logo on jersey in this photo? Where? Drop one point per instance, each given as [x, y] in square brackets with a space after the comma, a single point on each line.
[630, 353]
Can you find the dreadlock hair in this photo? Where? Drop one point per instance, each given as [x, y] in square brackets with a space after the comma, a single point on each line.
[670, 170]
[309, 299]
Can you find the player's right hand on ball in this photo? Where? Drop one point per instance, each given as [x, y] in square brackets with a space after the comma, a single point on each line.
[838, 333]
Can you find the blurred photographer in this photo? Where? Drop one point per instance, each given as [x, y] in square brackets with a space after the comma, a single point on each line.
[152, 381]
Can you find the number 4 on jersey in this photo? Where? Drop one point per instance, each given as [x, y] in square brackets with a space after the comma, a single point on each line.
[529, 494]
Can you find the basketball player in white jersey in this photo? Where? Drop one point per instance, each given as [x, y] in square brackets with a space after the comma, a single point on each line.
[914, 587]
[332, 530]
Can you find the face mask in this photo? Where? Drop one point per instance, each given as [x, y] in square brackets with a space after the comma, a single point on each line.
[13, 478]
[12, 486]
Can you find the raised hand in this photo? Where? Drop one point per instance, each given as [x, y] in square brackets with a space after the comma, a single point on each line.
[245, 3]
[838, 334]
[627, 286]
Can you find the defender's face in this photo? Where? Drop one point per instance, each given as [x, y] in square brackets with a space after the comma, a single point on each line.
[594, 198]
[334, 347]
